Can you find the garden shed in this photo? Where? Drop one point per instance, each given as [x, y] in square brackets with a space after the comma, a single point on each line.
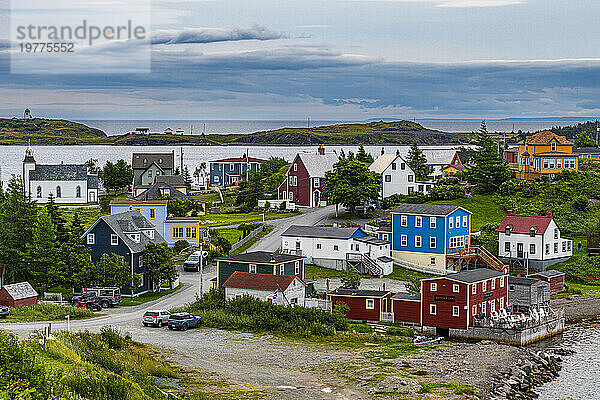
[18, 295]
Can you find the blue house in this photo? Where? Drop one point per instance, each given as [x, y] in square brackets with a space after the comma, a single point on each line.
[227, 171]
[125, 234]
[587, 152]
[424, 234]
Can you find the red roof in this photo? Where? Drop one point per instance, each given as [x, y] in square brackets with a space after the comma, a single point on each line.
[239, 159]
[523, 223]
[247, 280]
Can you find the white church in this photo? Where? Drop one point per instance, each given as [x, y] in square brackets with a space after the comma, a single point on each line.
[68, 183]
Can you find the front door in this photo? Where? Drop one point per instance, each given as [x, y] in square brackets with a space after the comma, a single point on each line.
[519, 250]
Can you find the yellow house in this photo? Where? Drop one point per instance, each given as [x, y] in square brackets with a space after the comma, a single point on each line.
[545, 153]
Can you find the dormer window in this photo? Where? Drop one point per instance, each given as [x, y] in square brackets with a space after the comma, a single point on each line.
[532, 232]
[135, 237]
[507, 230]
[553, 146]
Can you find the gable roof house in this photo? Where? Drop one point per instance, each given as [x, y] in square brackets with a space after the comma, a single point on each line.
[304, 180]
[545, 154]
[18, 295]
[287, 290]
[147, 166]
[67, 183]
[532, 240]
[227, 171]
[397, 176]
[127, 235]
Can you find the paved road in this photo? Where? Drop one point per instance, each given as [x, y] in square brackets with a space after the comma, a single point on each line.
[311, 217]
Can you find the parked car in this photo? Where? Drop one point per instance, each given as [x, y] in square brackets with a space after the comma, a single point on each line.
[157, 318]
[193, 262]
[89, 300]
[4, 311]
[367, 207]
[182, 321]
[109, 296]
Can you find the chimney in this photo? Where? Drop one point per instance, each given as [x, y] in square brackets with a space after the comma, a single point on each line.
[397, 152]
[382, 151]
[321, 150]
[509, 212]
[549, 215]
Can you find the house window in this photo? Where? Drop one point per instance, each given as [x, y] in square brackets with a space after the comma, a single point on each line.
[532, 232]
[432, 242]
[388, 178]
[418, 221]
[39, 191]
[282, 270]
[411, 190]
[501, 302]
[483, 307]
[402, 166]
[417, 241]
[432, 309]
[149, 173]
[474, 310]
[152, 213]
[455, 311]
[483, 286]
[370, 304]
[457, 242]
[451, 223]
[58, 192]
[433, 287]
[393, 166]
[502, 281]
[455, 288]
[555, 233]
[465, 221]
[403, 240]
[458, 222]
[178, 232]
[507, 230]
[556, 247]
[474, 288]
[410, 178]
[511, 288]
[291, 180]
[78, 191]
[493, 284]
[167, 192]
[231, 167]
[319, 246]
[252, 268]
[297, 268]
[559, 163]
[507, 247]
[553, 146]
[570, 163]
[568, 245]
[336, 247]
[191, 232]
[317, 182]
[403, 220]
[114, 239]
[564, 246]
[532, 249]
[291, 196]
[432, 261]
[91, 238]
[432, 222]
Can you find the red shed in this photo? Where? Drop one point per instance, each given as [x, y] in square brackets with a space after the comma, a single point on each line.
[555, 278]
[451, 301]
[18, 295]
[407, 307]
[365, 305]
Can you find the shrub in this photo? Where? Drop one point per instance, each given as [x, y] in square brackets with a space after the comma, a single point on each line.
[113, 338]
[398, 331]
[180, 245]
[282, 206]
[360, 328]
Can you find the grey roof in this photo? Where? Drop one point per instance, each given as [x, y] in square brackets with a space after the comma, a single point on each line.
[319, 232]
[174, 180]
[163, 160]
[318, 164]
[132, 222]
[424, 209]
[359, 293]
[549, 273]
[406, 296]
[586, 150]
[92, 181]
[385, 259]
[261, 257]
[520, 280]
[154, 192]
[21, 290]
[372, 240]
[384, 229]
[472, 275]
[59, 172]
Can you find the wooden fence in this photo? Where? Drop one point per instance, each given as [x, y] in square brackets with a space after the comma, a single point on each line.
[250, 236]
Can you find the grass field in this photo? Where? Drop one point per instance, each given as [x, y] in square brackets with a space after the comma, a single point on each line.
[233, 219]
[46, 312]
[246, 246]
[485, 210]
[145, 298]
[233, 235]
[87, 215]
[314, 272]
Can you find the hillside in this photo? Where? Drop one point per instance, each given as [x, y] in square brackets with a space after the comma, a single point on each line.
[130, 139]
[394, 132]
[48, 131]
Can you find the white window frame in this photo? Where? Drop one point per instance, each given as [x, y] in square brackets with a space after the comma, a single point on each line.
[252, 268]
[418, 221]
[455, 288]
[432, 309]
[450, 223]
[465, 219]
[336, 247]
[501, 302]
[455, 311]
[418, 241]
[432, 242]
[553, 146]
[483, 309]
[404, 220]
[403, 240]
[432, 222]
[317, 182]
[370, 304]
[483, 286]
[474, 288]
[295, 167]
[474, 309]
[494, 284]
[91, 238]
[501, 281]
[457, 223]
[433, 287]
[114, 239]
[297, 268]
[432, 261]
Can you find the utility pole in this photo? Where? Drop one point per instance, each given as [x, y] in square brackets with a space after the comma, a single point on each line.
[308, 123]
[247, 165]
[181, 161]
[597, 131]
[201, 285]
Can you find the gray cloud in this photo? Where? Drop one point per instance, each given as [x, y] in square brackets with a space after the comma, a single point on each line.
[213, 35]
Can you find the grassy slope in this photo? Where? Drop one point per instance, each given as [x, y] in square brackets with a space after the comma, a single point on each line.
[46, 312]
[485, 210]
[49, 131]
[232, 219]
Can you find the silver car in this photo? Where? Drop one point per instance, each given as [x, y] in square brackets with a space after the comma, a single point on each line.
[156, 318]
[4, 311]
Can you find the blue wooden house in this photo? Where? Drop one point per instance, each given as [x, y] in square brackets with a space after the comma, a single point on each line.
[228, 171]
[587, 152]
[424, 234]
[127, 235]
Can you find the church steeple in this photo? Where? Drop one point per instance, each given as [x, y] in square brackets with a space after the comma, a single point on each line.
[29, 154]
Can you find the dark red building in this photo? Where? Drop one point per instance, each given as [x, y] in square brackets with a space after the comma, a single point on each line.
[304, 183]
[18, 295]
[556, 279]
[365, 305]
[451, 301]
[407, 307]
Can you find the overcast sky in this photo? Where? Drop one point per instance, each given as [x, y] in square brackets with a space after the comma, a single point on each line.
[329, 59]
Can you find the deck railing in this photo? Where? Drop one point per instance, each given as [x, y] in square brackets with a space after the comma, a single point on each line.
[386, 316]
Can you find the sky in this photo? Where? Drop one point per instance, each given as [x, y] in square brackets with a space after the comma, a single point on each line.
[328, 59]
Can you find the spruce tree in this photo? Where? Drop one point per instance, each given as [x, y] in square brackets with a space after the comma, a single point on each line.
[363, 156]
[62, 234]
[417, 161]
[490, 169]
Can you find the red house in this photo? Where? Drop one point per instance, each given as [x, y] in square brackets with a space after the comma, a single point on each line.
[304, 183]
[407, 307]
[556, 279]
[365, 305]
[18, 295]
[451, 301]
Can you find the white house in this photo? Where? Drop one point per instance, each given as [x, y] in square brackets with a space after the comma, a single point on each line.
[532, 239]
[287, 290]
[67, 183]
[397, 176]
[438, 159]
[335, 248]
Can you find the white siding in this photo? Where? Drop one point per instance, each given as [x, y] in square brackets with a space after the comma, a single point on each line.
[294, 291]
[540, 242]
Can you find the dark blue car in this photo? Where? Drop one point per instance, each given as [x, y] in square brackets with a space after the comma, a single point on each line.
[182, 321]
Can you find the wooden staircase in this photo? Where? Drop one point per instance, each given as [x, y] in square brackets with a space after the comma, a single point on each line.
[472, 258]
[364, 264]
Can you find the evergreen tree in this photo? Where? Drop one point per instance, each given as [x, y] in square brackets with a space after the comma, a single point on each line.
[41, 248]
[417, 161]
[187, 179]
[117, 176]
[74, 268]
[158, 263]
[363, 156]
[490, 169]
[77, 230]
[62, 234]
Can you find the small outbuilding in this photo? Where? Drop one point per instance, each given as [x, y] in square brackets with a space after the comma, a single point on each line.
[365, 305]
[555, 278]
[286, 290]
[407, 307]
[524, 293]
[18, 295]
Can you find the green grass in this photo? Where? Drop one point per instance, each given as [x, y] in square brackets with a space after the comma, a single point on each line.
[246, 246]
[233, 219]
[444, 388]
[233, 235]
[484, 208]
[403, 274]
[208, 197]
[145, 298]
[87, 215]
[315, 272]
[46, 312]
